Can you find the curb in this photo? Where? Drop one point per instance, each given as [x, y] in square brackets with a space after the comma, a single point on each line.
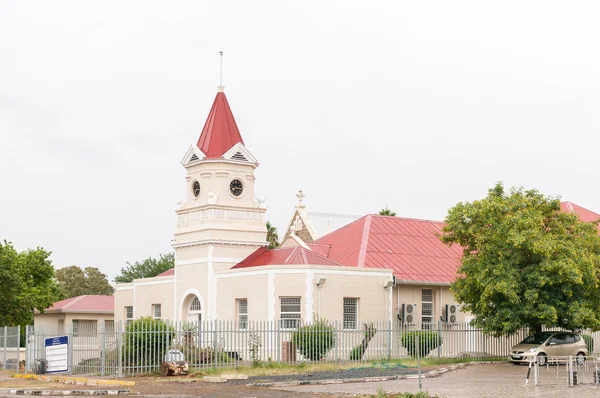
[430, 374]
[82, 381]
[70, 392]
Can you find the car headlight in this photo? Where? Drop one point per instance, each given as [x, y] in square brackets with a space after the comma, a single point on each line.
[532, 350]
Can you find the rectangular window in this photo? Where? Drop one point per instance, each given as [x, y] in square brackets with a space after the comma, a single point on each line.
[350, 313]
[156, 311]
[242, 308]
[84, 327]
[109, 326]
[290, 312]
[427, 308]
[128, 314]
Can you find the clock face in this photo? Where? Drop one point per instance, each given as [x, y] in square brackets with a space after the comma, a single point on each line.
[196, 189]
[236, 187]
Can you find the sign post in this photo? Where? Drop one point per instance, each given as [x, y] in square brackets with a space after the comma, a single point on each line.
[57, 354]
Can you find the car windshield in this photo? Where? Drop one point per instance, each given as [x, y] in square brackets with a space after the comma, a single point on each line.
[537, 338]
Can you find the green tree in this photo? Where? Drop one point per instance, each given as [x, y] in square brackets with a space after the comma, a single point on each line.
[387, 212]
[74, 281]
[525, 263]
[272, 236]
[26, 283]
[147, 268]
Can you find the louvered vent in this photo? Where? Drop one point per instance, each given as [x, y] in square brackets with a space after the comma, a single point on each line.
[194, 157]
[239, 156]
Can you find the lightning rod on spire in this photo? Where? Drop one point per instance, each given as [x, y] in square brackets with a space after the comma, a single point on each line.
[221, 74]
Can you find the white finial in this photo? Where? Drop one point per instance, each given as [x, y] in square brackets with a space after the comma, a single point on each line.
[221, 87]
[300, 196]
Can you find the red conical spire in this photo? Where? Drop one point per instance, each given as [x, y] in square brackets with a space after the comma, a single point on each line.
[220, 132]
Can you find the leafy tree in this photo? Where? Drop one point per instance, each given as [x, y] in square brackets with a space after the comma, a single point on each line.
[387, 212]
[272, 236]
[147, 268]
[525, 263]
[26, 283]
[74, 281]
[314, 341]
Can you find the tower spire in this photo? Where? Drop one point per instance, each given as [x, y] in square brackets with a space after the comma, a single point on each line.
[221, 87]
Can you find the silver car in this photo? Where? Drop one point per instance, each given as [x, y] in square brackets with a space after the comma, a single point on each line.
[549, 344]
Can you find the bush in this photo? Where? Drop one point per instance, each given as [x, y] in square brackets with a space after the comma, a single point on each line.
[589, 341]
[427, 341]
[316, 340]
[146, 342]
[356, 353]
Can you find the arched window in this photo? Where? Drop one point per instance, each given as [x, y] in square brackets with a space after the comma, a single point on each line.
[195, 311]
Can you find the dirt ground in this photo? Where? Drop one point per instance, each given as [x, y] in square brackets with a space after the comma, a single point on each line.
[172, 388]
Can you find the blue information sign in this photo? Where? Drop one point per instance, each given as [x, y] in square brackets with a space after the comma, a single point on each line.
[57, 354]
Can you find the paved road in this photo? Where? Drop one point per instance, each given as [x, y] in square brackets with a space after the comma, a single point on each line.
[481, 381]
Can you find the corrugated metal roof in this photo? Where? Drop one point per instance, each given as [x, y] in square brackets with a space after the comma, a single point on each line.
[583, 213]
[285, 256]
[410, 248]
[220, 132]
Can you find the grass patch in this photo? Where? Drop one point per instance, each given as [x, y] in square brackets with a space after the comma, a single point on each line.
[274, 368]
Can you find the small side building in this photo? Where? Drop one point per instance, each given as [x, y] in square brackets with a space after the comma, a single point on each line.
[87, 313]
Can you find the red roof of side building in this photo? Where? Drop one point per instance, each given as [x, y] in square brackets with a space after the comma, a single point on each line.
[409, 247]
[220, 132]
[169, 272]
[85, 303]
[285, 256]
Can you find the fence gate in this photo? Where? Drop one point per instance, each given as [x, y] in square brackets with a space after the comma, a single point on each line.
[10, 344]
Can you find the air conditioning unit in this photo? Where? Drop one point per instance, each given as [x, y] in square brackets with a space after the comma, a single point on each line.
[406, 314]
[452, 311]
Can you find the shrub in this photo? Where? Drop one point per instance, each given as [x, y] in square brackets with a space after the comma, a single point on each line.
[589, 341]
[316, 340]
[146, 341]
[357, 352]
[427, 341]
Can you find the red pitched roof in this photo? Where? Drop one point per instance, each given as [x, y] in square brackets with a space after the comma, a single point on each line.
[410, 248]
[220, 131]
[583, 213]
[86, 303]
[285, 256]
[169, 272]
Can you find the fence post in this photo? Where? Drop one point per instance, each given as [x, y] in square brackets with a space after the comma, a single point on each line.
[103, 349]
[18, 347]
[418, 349]
[389, 326]
[5, 342]
[441, 338]
[216, 362]
[120, 350]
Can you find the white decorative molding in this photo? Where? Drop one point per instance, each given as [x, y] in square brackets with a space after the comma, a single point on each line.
[235, 273]
[212, 286]
[122, 288]
[185, 295]
[150, 283]
[192, 156]
[209, 259]
[239, 153]
[219, 242]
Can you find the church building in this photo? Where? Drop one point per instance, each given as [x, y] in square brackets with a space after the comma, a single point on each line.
[344, 268]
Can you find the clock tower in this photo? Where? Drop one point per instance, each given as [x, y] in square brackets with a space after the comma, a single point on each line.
[221, 221]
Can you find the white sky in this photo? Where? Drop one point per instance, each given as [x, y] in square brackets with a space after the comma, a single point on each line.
[414, 105]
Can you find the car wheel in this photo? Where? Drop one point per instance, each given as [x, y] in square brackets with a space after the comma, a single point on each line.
[541, 359]
[580, 358]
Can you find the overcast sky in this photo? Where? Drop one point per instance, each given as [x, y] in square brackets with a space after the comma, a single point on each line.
[414, 105]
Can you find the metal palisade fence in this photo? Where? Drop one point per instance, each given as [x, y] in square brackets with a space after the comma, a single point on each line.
[10, 351]
[141, 347]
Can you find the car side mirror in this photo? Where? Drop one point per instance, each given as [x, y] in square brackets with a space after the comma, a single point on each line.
[551, 343]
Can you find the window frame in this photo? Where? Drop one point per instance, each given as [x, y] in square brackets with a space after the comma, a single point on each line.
[242, 323]
[346, 323]
[154, 308]
[427, 309]
[128, 320]
[286, 318]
